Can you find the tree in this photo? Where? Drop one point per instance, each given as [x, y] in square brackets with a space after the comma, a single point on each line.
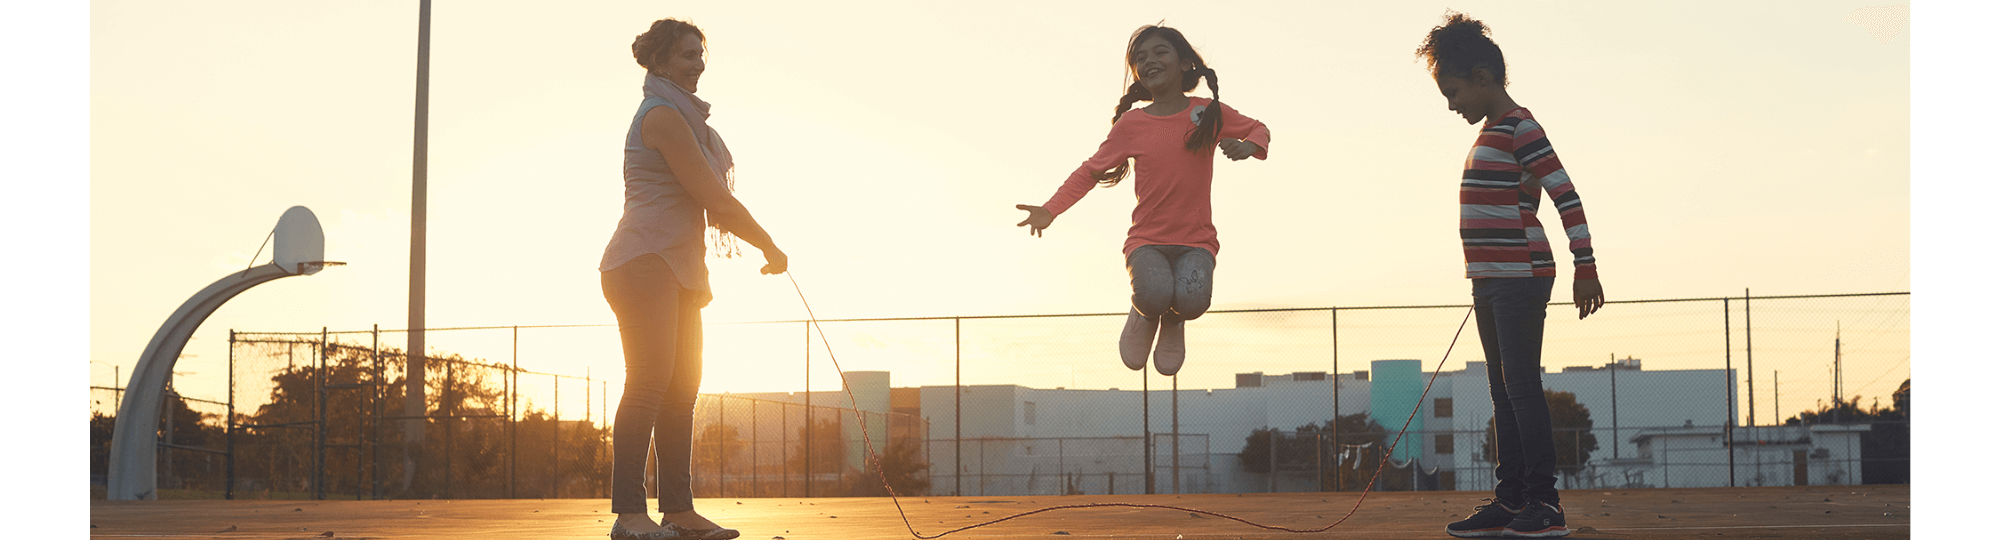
[1885, 447]
[1571, 423]
[1313, 449]
[902, 466]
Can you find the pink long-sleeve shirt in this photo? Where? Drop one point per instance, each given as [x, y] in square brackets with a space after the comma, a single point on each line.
[1172, 183]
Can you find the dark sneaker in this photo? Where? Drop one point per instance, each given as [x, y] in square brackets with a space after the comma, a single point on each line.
[1540, 520]
[1488, 520]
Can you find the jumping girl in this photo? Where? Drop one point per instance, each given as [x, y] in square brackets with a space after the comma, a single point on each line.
[1512, 268]
[1170, 249]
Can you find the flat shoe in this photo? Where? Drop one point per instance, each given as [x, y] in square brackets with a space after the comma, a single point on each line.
[718, 533]
[619, 532]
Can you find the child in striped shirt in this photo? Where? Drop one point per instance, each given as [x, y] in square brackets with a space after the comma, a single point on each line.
[1170, 249]
[1512, 267]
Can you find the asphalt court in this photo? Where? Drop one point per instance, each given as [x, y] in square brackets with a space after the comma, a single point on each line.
[1815, 512]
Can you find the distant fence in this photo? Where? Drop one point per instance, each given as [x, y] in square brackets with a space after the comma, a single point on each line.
[1675, 393]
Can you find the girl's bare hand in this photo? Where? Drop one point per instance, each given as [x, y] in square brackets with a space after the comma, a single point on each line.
[1238, 149]
[1038, 218]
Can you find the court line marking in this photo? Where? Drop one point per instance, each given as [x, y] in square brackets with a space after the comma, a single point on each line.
[1753, 527]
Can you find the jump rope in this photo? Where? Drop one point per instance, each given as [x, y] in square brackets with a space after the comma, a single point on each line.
[870, 445]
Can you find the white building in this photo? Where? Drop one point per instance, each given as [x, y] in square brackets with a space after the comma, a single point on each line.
[1664, 428]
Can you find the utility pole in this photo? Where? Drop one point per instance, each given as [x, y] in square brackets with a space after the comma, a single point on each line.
[413, 393]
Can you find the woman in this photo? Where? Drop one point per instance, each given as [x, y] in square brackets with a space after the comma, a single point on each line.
[676, 169]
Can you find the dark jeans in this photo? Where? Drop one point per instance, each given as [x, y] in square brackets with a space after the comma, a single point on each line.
[1511, 313]
[659, 324]
[1175, 281]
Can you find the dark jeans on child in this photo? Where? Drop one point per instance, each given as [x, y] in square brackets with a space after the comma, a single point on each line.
[659, 324]
[1510, 313]
[1171, 280]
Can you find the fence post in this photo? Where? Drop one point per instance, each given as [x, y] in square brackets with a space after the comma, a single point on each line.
[957, 409]
[809, 410]
[1728, 395]
[513, 428]
[375, 449]
[1272, 480]
[450, 421]
[784, 447]
[319, 428]
[721, 448]
[1333, 427]
[1750, 359]
[1146, 430]
[228, 425]
[555, 442]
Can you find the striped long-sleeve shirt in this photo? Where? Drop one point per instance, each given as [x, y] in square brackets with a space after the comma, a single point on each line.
[1510, 165]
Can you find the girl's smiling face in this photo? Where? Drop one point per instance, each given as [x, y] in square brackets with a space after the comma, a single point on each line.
[1159, 67]
[686, 59]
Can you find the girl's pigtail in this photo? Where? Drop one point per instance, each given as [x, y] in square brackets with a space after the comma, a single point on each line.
[1209, 129]
[1136, 93]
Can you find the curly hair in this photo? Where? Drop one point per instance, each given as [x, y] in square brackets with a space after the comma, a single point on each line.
[1204, 134]
[651, 48]
[1459, 46]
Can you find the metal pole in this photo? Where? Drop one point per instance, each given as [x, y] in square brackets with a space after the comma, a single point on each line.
[957, 409]
[450, 409]
[1271, 480]
[720, 452]
[1177, 433]
[319, 428]
[809, 409]
[1146, 415]
[1614, 405]
[784, 446]
[555, 442]
[413, 396]
[377, 391]
[228, 425]
[513, 427]
[604, 411]
[1728, 395]
[1749, 358]
[1333, 428]
[755, 478]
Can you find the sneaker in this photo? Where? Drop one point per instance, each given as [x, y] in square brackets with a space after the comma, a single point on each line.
[1137, 340]
[1488, 520]
[1172, 349]
[1539, 520]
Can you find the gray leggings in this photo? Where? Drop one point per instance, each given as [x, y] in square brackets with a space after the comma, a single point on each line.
[659, 324]
[1174, 281]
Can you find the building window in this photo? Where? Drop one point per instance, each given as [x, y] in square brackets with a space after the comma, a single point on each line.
[1443, 443]
[1441, 407]
[1028, 412]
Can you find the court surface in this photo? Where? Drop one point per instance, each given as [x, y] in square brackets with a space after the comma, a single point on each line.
[1819, 512]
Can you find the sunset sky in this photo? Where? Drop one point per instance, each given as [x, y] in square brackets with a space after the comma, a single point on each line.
[1717, 146]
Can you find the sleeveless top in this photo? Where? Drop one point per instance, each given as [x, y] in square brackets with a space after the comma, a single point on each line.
[660, 216]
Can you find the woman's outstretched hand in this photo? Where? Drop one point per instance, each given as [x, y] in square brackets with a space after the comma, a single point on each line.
[1038, 218]
[1238, 149]
[774, 262]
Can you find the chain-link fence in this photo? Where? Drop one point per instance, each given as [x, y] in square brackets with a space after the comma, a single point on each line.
[1737, 391]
